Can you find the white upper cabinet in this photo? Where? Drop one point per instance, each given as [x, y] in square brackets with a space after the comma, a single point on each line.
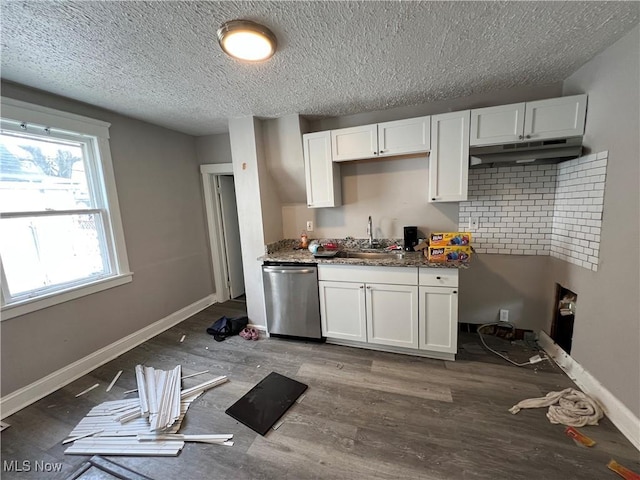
[555, 118]
[531, 121]
[449, 158]
[354, 143]
[321, 174]
[496, 125]
[402, 137]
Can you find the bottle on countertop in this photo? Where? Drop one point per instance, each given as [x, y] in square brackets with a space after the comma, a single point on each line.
[304, 240]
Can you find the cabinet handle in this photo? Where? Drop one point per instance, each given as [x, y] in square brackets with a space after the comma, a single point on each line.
[438, 278]
[361, 286]
[528, 136]
[375, 153]
[368, 287]
[381, 151]
[455, 291]
[520, 137]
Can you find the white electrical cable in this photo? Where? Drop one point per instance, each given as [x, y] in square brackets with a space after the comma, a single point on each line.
[498, 353]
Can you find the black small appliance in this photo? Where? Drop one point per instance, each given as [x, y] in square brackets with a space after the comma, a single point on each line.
[410, 238]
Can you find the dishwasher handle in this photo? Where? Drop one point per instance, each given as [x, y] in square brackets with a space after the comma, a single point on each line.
[288, 270]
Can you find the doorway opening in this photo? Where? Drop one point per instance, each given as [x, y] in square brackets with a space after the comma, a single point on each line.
[564, 317]
[224, 231]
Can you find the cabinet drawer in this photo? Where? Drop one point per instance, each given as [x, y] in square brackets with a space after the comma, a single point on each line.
[438, 277]
[373, 274]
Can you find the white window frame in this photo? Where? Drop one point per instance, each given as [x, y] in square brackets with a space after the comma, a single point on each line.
[63, 123]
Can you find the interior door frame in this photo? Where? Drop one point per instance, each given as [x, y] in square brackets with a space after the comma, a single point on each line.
[214, 223]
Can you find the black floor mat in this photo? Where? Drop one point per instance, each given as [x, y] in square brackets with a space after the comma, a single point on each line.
[265, 403]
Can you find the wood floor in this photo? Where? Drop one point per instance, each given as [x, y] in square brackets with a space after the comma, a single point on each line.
[366, 415]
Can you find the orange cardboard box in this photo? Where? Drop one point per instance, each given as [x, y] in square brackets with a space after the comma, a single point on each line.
[441, 239]
[449, 253]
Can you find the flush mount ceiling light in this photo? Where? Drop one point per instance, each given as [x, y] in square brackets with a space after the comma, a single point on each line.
[247, 40]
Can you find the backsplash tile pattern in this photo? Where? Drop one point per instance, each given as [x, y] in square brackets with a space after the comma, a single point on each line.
[579, 203]
[539, 209]
[514, 209]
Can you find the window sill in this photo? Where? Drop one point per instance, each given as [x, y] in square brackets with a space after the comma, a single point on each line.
[27, 306]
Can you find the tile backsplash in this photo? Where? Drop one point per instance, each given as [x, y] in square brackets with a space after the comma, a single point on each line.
[538, 209]
[578, 207]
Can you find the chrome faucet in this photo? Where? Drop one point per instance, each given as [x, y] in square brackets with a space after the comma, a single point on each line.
[370, 232]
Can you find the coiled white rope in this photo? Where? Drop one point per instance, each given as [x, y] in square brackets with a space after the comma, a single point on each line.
[568, 407]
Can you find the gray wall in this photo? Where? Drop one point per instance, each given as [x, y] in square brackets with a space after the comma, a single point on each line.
[606, 338]
[393, 191]
[213, 149]
[259, 210]
[159, 191]
[282, 138]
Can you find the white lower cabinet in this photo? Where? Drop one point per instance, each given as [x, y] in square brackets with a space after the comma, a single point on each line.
[392, 315]
[391, 307]
[374, 313]
[342, 310]
[438, 319]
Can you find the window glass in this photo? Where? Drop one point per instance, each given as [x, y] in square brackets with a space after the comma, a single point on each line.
[59, 237]
[42, 174]
[43, 252]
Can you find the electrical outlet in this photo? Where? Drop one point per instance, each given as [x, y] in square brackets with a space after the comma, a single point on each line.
[504, 315]
[473, 223]
[309, 226]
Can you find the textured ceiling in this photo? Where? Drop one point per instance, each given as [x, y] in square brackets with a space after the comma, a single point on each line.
[160, 62]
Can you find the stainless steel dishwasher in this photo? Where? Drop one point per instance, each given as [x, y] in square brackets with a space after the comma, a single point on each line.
[291, 297]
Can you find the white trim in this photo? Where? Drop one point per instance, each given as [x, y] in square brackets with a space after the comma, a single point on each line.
[618, 413]
[217, 169]
[262, 328]
[214, 224]
[44, 301]
[44, 116]
[218, 261]
[25, 396]
[113, 205]
[388, 348]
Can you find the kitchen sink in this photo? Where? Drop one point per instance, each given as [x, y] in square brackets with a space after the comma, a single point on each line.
[372, 255]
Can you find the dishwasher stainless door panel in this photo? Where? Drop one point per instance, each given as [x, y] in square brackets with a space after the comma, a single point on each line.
[292, 301]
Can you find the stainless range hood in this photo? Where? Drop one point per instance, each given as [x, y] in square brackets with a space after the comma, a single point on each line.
[536, 153]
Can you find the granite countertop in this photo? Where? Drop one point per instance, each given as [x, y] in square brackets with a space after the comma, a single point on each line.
[287, 251]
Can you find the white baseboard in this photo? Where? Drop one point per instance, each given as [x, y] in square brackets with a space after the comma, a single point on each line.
[33, 392]
[262, 328]
[618, 413]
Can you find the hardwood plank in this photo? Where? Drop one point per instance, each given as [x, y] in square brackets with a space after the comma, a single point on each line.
[328, 462]
[417, 388]
[366, 414]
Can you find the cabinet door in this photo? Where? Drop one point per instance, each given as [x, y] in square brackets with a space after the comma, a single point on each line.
[342, 310]
[449, 158]
[354, 143]
[438, 319]
[496, 125]
[322, 175]
[412, 135]
[555, 118]
[392, 315]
